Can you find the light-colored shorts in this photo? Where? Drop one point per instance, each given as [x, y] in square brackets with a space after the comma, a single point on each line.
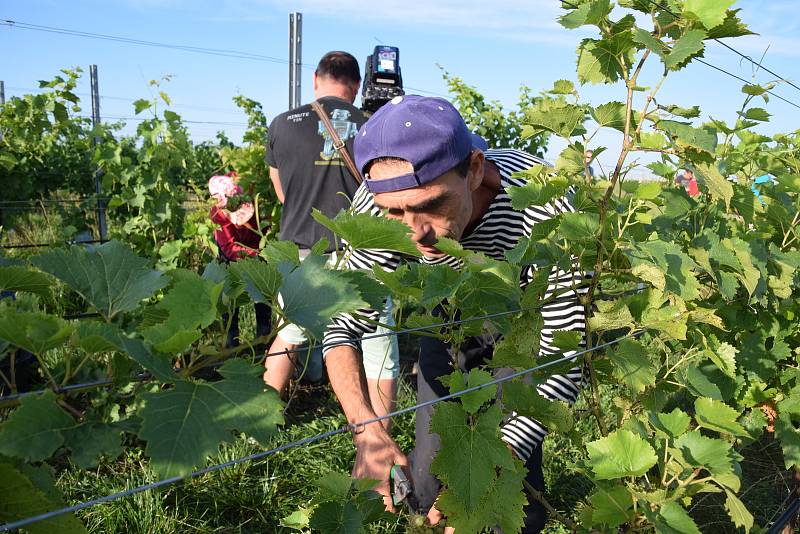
[381, 355]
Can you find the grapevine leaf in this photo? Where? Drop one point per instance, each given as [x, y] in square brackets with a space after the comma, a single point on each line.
[673, 424]
[674, 262]
[612, 507]
[472, 401]
[689, 45]
[718, 187]
[403, 282]
[567, 340]
[439, 283]
[632, 365]
[20, 499]
[365, 231]
[18, 278]
[524, 399]
[757, 114]
[33, 432]
[648, 190]
[716, 415]
[672, 518]
[724, 357]
[699, 138]
[711, 13]
[186, 424]
[654, 140]
[650, 273]
[740, 515]
[610, 115]
[261, 279]
[732, 26]
[701, 451]
[190, 305]
[611, 315]
[622, 453]
[112, 278]
[90, 442]
[373, 292]
[278, 251]
[789, 437]
[598, 59]
[563, 119]
[589, 13]
[33, 331]
[477, 445]
[687, 113]
[651, 42]
[535, 194]
[333, 294]
[297, 520]
[95, 337]
[337, 517]
[579, 226]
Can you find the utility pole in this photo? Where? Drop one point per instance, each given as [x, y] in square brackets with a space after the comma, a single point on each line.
[98, 175]
[295, 57]
[2, 93]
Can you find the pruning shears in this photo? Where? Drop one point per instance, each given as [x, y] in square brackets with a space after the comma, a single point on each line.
[400, 483]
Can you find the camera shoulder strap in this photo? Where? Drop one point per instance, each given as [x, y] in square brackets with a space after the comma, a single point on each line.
[338, 144]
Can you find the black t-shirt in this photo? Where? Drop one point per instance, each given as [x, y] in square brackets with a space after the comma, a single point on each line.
[312, 173]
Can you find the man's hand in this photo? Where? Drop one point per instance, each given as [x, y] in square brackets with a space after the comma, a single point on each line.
[376, 453]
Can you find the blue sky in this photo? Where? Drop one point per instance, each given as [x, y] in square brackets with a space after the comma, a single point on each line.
[495, 46]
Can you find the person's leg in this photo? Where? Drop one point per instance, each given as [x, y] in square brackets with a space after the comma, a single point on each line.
[263, 324]
[279, 367]
[381, 361]
[535, 513]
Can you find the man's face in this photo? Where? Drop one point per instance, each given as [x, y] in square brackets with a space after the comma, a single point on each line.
[440, 208]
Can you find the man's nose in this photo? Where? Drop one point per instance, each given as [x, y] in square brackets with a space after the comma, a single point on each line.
[419, 229]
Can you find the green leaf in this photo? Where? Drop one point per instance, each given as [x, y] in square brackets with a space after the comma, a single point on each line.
[366, 231]
[337, 517]
[757, 114]
[90, 442]
[653, 140]
[567, 340]
[33, 331]
[373, 292]
[562, 119]
[611, 115]
[651, 42]
[33, 432]
[189, 306]
[739, 513]
[262, 280]
[96, 337]
[333, 294]
[535, 194]
[673, 261]
[111, 278]
[21, 499]
[709, 453]
[611, 315]
[622, 453]
[718, 187]
[716, 415]
[688, 46]
[789, 438]
[673, 424]
[141, 105]
[599, 60]
[18, 278]
[632, 365]
[704, 139]
[477, 445]
[672, 518]
[186, 424]
[711, 13]
[612, 507]
[724, 357]
[523, 399]
[686, 113]
[298, 520]
[732, 26]
[562, 87]
[579, 226]
[591, 12]
[278, 251]
[472, 401]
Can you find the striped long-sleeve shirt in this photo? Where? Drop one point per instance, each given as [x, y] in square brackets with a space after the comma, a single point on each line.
[498, 231]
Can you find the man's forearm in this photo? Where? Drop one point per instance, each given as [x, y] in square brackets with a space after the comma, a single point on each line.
[349, 383]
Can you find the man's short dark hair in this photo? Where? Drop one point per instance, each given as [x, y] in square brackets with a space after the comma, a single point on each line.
[340, 66]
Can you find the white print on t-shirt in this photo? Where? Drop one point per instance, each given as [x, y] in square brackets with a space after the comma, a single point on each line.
[343, 127]
[297, 117]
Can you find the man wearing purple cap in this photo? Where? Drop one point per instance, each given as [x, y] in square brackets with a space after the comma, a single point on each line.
[422, 166]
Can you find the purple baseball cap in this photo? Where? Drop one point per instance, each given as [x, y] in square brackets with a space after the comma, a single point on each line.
[427, 132]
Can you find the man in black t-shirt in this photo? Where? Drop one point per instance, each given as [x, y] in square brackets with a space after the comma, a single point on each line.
[308, 172]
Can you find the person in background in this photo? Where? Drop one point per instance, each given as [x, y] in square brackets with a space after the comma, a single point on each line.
[308, 172]
[237, 238]
[688, 182]
[587, 156]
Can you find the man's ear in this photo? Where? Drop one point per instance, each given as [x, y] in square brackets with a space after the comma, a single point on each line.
[315, 81]
[475, 172]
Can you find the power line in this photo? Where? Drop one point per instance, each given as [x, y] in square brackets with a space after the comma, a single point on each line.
[128, 40]
[732, 49]
[352, 427]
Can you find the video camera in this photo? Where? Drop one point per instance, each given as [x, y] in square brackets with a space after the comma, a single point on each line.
[382, 78]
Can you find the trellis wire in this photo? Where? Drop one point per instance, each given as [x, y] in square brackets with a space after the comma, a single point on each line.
[352, 427]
